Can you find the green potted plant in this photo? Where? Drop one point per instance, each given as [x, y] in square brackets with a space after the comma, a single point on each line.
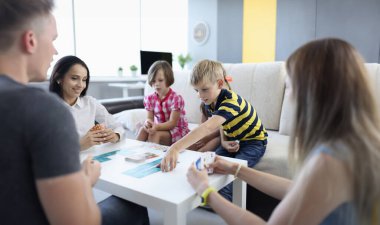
[120, 71]
[182, 60]
[133, 69]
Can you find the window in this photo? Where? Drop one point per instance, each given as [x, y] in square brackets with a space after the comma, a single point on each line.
[64, 43]
[164, 30]
[109, 34]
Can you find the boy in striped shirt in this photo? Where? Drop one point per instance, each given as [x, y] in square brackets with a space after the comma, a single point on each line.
[243, 135]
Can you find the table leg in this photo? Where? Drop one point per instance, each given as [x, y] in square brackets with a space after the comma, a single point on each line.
[125, 92]
[239, 195]
[174, 216]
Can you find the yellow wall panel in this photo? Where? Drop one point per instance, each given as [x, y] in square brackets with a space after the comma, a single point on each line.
[259, 30]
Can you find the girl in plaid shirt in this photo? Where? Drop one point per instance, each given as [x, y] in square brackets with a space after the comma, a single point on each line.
[166, 122]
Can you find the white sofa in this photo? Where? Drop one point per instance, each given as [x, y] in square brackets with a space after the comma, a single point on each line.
[263, 85]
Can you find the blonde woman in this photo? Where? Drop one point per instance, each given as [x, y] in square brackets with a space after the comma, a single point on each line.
[335, 146]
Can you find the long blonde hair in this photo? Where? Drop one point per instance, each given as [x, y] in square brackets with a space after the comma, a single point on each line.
[335, 104]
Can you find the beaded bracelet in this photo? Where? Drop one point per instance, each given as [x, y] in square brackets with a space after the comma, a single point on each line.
[237, 171]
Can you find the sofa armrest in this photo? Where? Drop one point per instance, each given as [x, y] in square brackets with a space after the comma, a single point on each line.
[115, 105]
[131, 119]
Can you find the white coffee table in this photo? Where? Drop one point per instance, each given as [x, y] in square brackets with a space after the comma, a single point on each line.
[169, 192]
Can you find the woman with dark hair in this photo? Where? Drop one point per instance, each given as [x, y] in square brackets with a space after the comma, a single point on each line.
[70, 79]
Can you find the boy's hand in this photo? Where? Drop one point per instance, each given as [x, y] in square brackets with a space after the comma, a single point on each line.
[169, 162]
[231, 146]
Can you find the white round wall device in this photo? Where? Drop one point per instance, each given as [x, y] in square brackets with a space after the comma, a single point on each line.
[201, 32]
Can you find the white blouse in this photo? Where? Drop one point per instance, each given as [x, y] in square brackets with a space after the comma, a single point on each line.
[87, 110]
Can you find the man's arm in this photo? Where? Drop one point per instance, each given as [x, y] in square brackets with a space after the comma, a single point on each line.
[67, 198]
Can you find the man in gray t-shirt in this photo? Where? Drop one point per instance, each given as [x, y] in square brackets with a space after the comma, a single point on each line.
[42, 181]
[37, 143]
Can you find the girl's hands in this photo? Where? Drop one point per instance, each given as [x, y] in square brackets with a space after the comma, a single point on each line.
[91, 169]
[197, 179]
[231, 146]
[169, 162]
[153, 129]
[149, 126]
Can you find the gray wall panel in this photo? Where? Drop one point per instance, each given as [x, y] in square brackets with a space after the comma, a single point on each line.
[225, 19]
[200, 10]
[357, 21]
[230, 31]
[295, 25]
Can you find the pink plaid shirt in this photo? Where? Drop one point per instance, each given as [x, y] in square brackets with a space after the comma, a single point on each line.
[163, 108]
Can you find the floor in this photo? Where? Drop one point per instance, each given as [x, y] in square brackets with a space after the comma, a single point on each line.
[195, 217]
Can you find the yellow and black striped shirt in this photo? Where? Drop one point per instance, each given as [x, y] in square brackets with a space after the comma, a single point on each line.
[242, 122]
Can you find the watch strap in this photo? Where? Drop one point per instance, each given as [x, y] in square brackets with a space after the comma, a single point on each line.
[205, 195]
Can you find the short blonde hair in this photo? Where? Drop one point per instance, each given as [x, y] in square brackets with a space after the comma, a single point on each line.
[207, 70]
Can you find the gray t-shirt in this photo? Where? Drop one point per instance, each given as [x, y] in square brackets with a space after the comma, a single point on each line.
[37, 140]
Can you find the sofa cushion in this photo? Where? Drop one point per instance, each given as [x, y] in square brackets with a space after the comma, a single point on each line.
[374, 74]
[262, 84]
[130, 119]
[287, 112]
[275, 159]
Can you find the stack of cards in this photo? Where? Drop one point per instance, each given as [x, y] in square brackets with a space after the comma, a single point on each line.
[205, 159]
[140, 157]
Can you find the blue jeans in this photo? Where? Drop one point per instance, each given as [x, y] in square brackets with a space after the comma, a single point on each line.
[116, 211]
[252, 151]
